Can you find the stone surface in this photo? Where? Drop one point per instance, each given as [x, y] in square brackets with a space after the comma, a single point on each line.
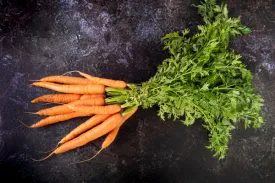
[121, 40]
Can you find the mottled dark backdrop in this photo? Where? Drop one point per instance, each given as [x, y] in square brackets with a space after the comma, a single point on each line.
[121, 40]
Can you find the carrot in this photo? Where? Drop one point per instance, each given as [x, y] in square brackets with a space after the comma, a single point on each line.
[64, 109]
[96, 132]
[84, 127]
[92, 96]
[76, 89]
[97, 101]
[55, 119]
[52, 111]
[115, 120]
[112, 135]
[131, 113]
[108, 109]
[57, 98]
[104, 81]
[67, 80]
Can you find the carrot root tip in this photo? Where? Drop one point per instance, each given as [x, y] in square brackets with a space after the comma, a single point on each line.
[24, 123]
[50, 150]
[29, 112]
[89, 158]
[70, 72]
[43, 158]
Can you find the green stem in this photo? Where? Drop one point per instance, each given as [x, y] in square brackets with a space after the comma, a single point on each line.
[223, 88]
[226, 67]
[128, 110]
[115, 91]
[201, 110]
[116, 99]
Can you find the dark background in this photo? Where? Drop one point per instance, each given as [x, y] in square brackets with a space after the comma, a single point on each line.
[121, 40]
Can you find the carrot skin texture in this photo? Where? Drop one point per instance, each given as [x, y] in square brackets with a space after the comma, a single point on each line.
[75, 89]
[57, 98]
[64, 109]
[87, 96]
[56, 110]
[110, 138]
[112, 135]
[131, 113]
[67, 80]
[104, 81]
[95, 120]
[108, 109]
[96, 132]
[55, 119]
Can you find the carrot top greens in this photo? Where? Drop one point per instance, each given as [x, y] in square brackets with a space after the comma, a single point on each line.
[202, 79]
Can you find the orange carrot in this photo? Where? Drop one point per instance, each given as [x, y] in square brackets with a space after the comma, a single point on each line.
[52, 111]
[112, 135]
[96, 101]
[96, 132]
[55, 119]
[104, 81]
[131, 113]
[64, 109]
[76, 89]
[108, 109]
[57, 98]
[92, 96]
[95, 120]
[67, 80]
[108, 125]
[109, 139]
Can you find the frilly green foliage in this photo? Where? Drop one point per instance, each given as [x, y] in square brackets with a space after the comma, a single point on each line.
[202, 79]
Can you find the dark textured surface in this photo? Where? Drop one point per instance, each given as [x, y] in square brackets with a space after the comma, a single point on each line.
[121, 40]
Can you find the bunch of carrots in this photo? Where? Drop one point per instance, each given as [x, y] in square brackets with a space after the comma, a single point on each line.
[81, 97]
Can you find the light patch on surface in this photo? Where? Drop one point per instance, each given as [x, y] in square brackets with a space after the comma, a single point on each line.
[261, 52]
[69, 3]
[272, 154]
[104, 17]
[87, 28]
[90, 6]
[90, 28]
[123, 61]
[1, 136]
[148, 30]
[270, 67]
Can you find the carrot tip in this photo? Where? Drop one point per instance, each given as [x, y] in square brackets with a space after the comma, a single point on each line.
[43, 158]
[70, 72]
[51, 103]
[62, 141]
[50, 150]
[29, 112]
[89, 158]
[34, 80]
[24, 123]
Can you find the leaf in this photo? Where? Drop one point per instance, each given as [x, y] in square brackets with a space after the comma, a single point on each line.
[202, 79]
